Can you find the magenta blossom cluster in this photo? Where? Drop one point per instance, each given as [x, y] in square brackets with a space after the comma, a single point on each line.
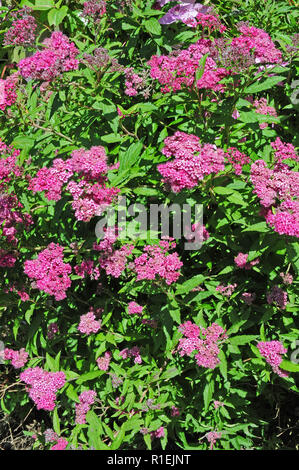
[284, 151]
[204, 341]
[90, 194]
[18, 358]
[237, 159]
[88, 323]
[94, 9]
[22, 30]
[159, 433]
[226, 290]
[208, 22]
[49, 272]
[8, 163]
[277, 296]
[58, 56]
[212, 438]
[261, 106]
[104, 361]
[87, 399]
[116, 262]
[179, 68]
[271, 351]
[259, 43]
[52, 436]
[10, 216]
[8, 95]
[87, 268]
[241, 261]
[132, 352]
[43, 386]
[134, 308]
[278, 191]
[154, 261]
[192, 162]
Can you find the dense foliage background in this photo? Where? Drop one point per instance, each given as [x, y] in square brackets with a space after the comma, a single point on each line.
[133, 343]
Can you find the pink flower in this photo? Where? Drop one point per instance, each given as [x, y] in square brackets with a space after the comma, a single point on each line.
[134, 308]
[241, 261]
[103, 362]
[212, 437]
[50, 272]
[17, 358]
[60, 445]
[43, 386]
[271, 351]
[21, 32]
[88, 324]
[87, 399]
[58, 56]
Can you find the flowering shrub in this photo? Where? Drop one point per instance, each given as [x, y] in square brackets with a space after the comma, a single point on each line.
[112, 339]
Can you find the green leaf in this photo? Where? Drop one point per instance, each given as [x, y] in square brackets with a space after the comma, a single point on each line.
[189, 284]
[130, 157]
[56, 421]
[289, 366]
[265, 85]
[153, 26]
[57, 15]
[89, 376]
[242, 339]
[201, 67]
[208, 394]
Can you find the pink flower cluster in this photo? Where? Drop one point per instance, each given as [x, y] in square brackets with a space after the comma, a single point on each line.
[271, 351]
[261, 107]
[226, 290]
[51, 436]
[51, 180]
[18, 358]
[87, 399]
[207, 22]
[241, 261]
[11, 216]
[202, 340]
[21, 32]
[8, 162]
[259, 42]
[158, 434]
[277, 296]
[134, 308]
[94, 9]
[192, 161]
[8, 95]
[212, 438]
[287, 278]
[155, 261]
[50, 273]
[284, 151]
[86, 268]
[88, 199]
[133, 82]
[116, 262]
[58, 56]
[43, 386]
[273, 185]
[88, 323]
[104, 361]
[237, 159]
[179, 69]
[133, 352]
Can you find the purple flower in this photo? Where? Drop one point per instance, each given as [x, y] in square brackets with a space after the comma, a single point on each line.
[183, 12]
